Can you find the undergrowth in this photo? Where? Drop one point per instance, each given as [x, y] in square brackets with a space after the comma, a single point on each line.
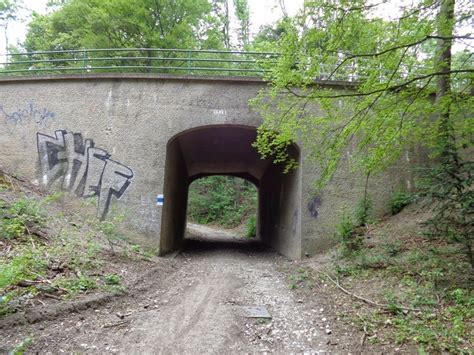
[427, 276]
[46, 254]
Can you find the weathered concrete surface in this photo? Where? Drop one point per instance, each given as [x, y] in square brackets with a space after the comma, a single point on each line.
[126, 139]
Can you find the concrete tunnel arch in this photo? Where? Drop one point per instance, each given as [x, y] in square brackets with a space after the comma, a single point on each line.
[227, 150]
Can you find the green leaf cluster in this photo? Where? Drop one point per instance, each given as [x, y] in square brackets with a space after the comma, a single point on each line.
[389, 101]
[79, 24]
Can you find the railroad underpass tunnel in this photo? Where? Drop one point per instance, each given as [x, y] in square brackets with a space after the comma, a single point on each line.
[227, 150]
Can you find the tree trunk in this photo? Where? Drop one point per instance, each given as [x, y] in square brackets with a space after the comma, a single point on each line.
[6, 41]
[227, 25]
[443, 65]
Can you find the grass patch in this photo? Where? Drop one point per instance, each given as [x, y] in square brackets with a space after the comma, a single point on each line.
[74, 285]
[17, 220]
[301, 279]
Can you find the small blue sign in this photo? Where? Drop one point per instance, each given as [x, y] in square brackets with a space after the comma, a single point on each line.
[160, 200]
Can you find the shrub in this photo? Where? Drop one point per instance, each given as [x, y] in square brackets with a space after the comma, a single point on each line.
[347, 234]
[449, 187]
[112, 279]
[399, 200]
[252, 227]
[363, 211]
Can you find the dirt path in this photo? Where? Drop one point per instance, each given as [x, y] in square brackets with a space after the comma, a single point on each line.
[195, 305]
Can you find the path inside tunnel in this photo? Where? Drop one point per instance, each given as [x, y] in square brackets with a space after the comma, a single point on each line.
[201, 238]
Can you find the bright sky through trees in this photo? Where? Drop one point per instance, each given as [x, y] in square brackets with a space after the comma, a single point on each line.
[262, 12]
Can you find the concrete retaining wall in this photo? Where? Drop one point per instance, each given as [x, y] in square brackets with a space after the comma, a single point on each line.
[111, 136]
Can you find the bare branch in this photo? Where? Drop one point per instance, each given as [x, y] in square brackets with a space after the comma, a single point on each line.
[386, 89]
[394, 48]
[354, 8]
[422, 8]
[365, 300]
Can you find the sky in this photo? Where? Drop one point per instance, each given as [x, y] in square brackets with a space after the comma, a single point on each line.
[262, 12]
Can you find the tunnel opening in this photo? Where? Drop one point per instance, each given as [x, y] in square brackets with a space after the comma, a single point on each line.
[227, 150]
[221, 209]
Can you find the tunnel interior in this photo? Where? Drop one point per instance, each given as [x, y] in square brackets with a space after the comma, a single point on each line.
[227, 150]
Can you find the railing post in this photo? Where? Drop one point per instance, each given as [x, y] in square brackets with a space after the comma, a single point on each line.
[84, 57]
[189, 62]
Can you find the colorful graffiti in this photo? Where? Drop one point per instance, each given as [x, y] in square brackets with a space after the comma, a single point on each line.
[82, 168]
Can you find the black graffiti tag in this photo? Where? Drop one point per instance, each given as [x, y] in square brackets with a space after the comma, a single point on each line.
[82, 168]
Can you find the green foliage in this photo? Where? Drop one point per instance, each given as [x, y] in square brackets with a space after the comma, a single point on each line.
[345, 227]
[8, 13]
[54, 197]
[27, 264]
[393, 248]
[347, 234]
[399, 200]
[122, 23]
[21, 215]
[223, 200]
[397, 67]
[112, 279]
[242, 12]
[22, 347]
[445, 331]
[64, 263]
[449, 186]
[301, 278]
[363, 211]
[110, 228]
[429, 278]
[267, 38]
[391, 106]
[251, 227]
[77, 284]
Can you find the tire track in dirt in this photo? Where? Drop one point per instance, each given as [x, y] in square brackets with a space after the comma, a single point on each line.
[194, 306]
[193, 315]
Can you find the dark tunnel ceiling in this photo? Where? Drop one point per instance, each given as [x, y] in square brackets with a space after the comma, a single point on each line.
[222, 150]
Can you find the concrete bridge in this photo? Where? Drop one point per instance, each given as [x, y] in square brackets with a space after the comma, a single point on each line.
[135, 143]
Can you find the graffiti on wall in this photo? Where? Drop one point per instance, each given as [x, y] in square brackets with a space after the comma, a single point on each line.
[313, 206]
[82, 168]
[28, 114]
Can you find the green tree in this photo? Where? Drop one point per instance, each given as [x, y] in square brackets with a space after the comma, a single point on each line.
[8, 13]
[242, 12]
[389, 106]
[121, 23]
[220, 9]
[406, 89]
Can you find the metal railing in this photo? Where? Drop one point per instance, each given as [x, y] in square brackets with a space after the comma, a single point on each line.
[190, 62]
[137, 60]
